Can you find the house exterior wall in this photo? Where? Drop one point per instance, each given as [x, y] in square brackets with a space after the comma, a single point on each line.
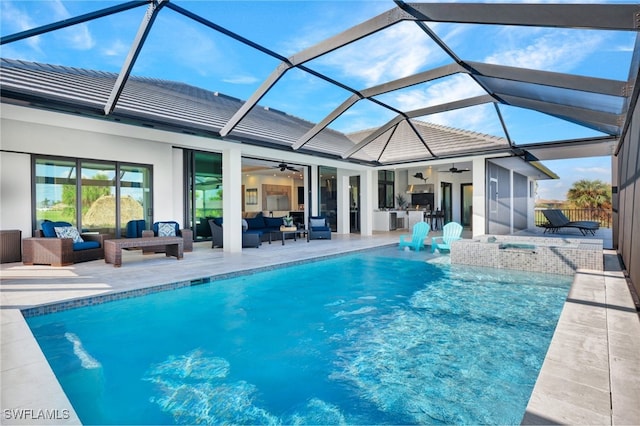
[628, 200]
[27, 131]
[42, 133]
[15, 182]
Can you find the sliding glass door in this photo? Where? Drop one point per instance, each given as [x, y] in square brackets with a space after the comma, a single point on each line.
[135, 194]
[203, 176]
[328, 193]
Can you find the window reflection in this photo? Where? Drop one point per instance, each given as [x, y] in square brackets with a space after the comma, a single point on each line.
[328, 195]
[94, 200]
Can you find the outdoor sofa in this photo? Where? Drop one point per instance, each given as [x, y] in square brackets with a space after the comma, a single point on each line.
[62, 248]
[249, 238]
[260, 227]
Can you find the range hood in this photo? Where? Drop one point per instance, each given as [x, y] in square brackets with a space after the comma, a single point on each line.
[419, 188]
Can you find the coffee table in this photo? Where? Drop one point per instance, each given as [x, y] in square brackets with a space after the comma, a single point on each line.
[113, 248]
[296, 233]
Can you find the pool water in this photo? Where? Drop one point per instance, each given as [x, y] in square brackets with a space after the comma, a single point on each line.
[379, 337]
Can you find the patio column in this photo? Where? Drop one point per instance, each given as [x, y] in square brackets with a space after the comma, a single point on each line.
[368, 188]
[479, 203]
[343, 204]
[232, 200]
[313, 182]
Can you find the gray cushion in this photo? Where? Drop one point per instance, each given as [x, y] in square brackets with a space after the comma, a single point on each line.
[317, 223]
[166, 229]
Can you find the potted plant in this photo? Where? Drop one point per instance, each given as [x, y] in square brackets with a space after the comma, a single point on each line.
[287, 221]
[402, 202]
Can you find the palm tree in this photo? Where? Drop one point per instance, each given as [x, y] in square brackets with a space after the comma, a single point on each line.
[594, 195]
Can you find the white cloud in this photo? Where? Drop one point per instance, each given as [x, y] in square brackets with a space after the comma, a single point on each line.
[241, 79]
[445, 90]
[393, 53]
[557, 50]
[590, 171]
[117, 48]
[623, 47]
[481, 118]
[77, 36]
[16, 20]
[323, 25]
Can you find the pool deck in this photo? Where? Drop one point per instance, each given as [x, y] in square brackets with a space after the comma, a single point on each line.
[591, 374]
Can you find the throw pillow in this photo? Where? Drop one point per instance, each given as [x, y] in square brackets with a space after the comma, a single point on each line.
[68, 232]
[245, 225]
[48, 228]
[317, 223]
[166, 230]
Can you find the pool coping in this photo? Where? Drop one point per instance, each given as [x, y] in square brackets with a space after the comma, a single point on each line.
[591, 372]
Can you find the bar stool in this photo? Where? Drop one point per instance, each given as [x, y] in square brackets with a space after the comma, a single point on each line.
[439, 216]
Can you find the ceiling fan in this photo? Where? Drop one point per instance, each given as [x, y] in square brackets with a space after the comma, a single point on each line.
[454, 169]
[285, 166]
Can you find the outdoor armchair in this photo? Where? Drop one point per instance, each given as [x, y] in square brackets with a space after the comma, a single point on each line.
[249, 238]
[420, 232]
[318, 228]
[135, 228]
[168, 229]
[451, 232]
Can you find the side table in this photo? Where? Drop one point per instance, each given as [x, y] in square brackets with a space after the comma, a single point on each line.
[10, 246]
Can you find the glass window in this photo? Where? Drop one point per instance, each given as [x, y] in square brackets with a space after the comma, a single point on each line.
[94, 198]
[135, 194]
[386, 180]
[98, 201]
[55, 191]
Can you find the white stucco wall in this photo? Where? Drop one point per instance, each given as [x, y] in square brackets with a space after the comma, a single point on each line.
[15, 187]
[27, 131]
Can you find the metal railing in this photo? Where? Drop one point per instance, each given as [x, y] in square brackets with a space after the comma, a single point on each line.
[599, 215]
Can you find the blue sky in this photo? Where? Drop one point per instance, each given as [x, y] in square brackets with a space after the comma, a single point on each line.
[570, 171]
[179, 49]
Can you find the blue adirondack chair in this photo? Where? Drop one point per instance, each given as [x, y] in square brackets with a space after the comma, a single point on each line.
[420, 232]
[450, 232]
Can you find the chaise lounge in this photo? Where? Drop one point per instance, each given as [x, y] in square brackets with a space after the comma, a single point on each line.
[557, 220]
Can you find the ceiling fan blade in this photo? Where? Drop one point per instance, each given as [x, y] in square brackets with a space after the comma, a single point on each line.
[285, 166]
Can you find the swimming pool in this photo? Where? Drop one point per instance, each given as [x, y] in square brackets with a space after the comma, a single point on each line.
[378, 337]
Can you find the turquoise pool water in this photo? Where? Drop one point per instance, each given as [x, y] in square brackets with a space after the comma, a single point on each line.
[377, 337]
